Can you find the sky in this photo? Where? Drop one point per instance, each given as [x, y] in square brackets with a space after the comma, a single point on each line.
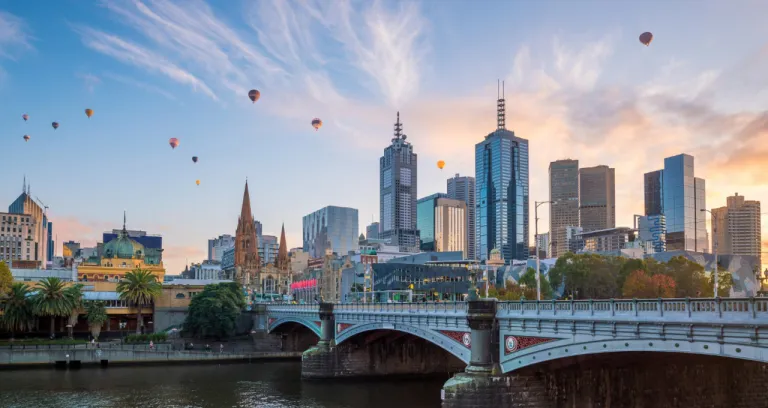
[578, 85]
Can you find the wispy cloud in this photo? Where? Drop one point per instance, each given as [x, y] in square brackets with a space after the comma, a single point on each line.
[138, 84]
[90, 81]
[14, 35]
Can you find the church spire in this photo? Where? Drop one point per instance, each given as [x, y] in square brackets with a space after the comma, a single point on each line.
[246, 203]
[282, 252]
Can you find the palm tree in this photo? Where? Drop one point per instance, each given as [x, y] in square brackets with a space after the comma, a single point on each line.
[18, 308]
[139, 287]
[50, 300]
[96, 314]
[74, 295]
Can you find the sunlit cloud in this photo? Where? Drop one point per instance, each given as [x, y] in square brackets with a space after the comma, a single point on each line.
[139, 84]
[90, 81]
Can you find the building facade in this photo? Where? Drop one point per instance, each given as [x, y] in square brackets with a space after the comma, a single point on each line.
[149, 241]
[268, 248]
[653, 229]
[331, 227]
[25, 204]
[17, 239]
[501, 192]
[372, 231]
[463, 188]
[597, 198]
[682, 197]
[544, 247]
[425, 220]
[736, 228]
[451, 226]
[612, 239]
[564, 202]
[247, 263]
[217, 246]
[398, 191]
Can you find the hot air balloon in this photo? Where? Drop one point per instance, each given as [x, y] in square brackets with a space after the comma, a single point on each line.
[646, 38]
[317, 123]
[55, 125]
[89, 113]
[26, 138]
[440, 164]
[173, 142]
[254, 94]
[194, 159]
[25, 117]
[197, 182]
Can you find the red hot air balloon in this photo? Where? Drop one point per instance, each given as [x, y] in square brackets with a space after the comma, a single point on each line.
[173, 142]
[89, 113]
[254, 94]
[317, 123]
[26, 138]
[25, 117]
[194, 159]
[646, 38]
[55, 125]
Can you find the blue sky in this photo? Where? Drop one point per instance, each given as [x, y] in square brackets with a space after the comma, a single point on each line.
[578, 85]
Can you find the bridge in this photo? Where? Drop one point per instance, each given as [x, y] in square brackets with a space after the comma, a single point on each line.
[546, 352]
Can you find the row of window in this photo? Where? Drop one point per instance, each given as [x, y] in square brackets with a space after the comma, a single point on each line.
[15, 218]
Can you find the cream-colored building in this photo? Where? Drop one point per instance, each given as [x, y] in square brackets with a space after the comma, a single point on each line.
[451, 225]
[18, 239]
[736, 227]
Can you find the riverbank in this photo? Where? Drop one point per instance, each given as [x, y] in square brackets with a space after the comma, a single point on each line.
[81, 358]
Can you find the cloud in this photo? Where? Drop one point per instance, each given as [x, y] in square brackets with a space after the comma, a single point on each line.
[86, 232]
[138, 84]
[14, 35]
[176, 257]
[90, 81]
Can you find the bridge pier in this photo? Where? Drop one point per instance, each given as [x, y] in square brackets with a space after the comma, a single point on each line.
[482, 384]
[320, 361]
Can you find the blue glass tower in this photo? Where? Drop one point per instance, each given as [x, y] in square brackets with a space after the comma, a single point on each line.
[501, 192]
[425, 220]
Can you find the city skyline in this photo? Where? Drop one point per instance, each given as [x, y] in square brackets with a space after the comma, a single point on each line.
[585, 89]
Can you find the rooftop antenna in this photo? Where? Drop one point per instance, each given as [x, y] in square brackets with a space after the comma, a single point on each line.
[398, 127]
[24, 186]
[500, 107]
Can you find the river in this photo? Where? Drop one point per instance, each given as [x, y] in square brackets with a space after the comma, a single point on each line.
[268, 385]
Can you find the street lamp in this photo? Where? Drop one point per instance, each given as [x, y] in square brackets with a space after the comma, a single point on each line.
[536, 237]
[714, 242]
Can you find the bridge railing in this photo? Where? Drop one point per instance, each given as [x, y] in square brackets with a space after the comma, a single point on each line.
[287, 307]
[403, 307]
[696, 308]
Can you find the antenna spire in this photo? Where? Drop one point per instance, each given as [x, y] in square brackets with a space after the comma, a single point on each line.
[24, 187]
[501, 110]
[398, 127]
[124, 220]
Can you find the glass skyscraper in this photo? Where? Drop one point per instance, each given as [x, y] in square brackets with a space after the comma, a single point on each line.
[463, 188]
[333, 228]
[425, 221]
[501, 193]
[564, 202]
[675, 193]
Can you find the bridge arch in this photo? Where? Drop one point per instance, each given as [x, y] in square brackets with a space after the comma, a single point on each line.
[434, 337]
[312, 326]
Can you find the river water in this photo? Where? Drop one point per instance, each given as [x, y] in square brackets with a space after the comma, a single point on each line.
[268, 385]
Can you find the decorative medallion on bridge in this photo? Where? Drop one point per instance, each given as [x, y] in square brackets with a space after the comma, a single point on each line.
[461, 337]
[517, 343]
[317, 323]
[271, 320]
[340, 327]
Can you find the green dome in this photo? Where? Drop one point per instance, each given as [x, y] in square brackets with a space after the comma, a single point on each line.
[495, 251]
[123, 247]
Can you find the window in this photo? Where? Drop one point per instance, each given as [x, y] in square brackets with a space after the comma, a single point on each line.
[180, 296]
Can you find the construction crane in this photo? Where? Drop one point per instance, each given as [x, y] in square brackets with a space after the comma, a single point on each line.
[45, 207]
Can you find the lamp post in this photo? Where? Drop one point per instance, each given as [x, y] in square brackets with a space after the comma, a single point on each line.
[714, 242]
[536, 238]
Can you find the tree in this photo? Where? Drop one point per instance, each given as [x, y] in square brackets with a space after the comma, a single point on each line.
[50, 300]
[139, 287]
[6, 279]
[74, 295]
[528, 279]
[663, 286]
[96, 314]
[214, 311]
[689, 277]
[640, 285]
[17, 314]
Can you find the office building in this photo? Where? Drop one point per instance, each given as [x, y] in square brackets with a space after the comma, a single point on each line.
[397, 192]
[597, 198]
[653, 229]
[501, 192]
[216, 246]
[51, 244]
[736, 227]
[372, 231]
[26, 205]
[333, 228]
[680, 196]
[451, 226]
[573, 239]
[17, 240]
[425, 221]
[611, 239]
[463, 188]
[564, 202]
[543, 240]
[268, 248]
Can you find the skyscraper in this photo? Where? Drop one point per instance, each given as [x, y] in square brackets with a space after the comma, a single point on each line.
[425, 221]
[398, 181]
[597, 198]
[451, 226]
[736, 227]
[25, 204]
[564, 202]
[463, 188]
[675, 193]
[372, 231]
[333, 228]
[501, 192]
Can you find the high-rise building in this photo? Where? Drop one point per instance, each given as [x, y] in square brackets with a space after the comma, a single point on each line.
[257, 226]
[463, 188]
[543, 240]
[597, 198]
[217, 246]
[26, 205]
[451, 226]
[736, 227]
[51, 244]
[268, 248]
[372, 231]
[397, 192]
[333, 228]
[675, 193]
[501, 192]
[425, 221]
[17, 239]
[564, 202]
[653, 229]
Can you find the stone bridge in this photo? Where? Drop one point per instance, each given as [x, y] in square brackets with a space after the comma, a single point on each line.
[549, 353]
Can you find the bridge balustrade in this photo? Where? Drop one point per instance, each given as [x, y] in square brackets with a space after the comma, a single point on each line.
[403, 307]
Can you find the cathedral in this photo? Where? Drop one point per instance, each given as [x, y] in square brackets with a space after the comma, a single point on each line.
[270, 279]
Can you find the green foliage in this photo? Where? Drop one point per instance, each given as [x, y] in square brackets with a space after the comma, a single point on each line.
[74, 295]
[146, 338]
[214, 311]
[641, 285]
[512, 291]
[17, 313]
[51, 300]
[96, 313]
[139, 287]
[528, 280]
[6, 279]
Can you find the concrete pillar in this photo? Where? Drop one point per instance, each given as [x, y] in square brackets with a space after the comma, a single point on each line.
[481, 317]
[327, 326]
[322, 360]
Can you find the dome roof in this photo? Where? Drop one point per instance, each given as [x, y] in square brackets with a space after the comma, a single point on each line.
[495, 251]
[123, 247]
